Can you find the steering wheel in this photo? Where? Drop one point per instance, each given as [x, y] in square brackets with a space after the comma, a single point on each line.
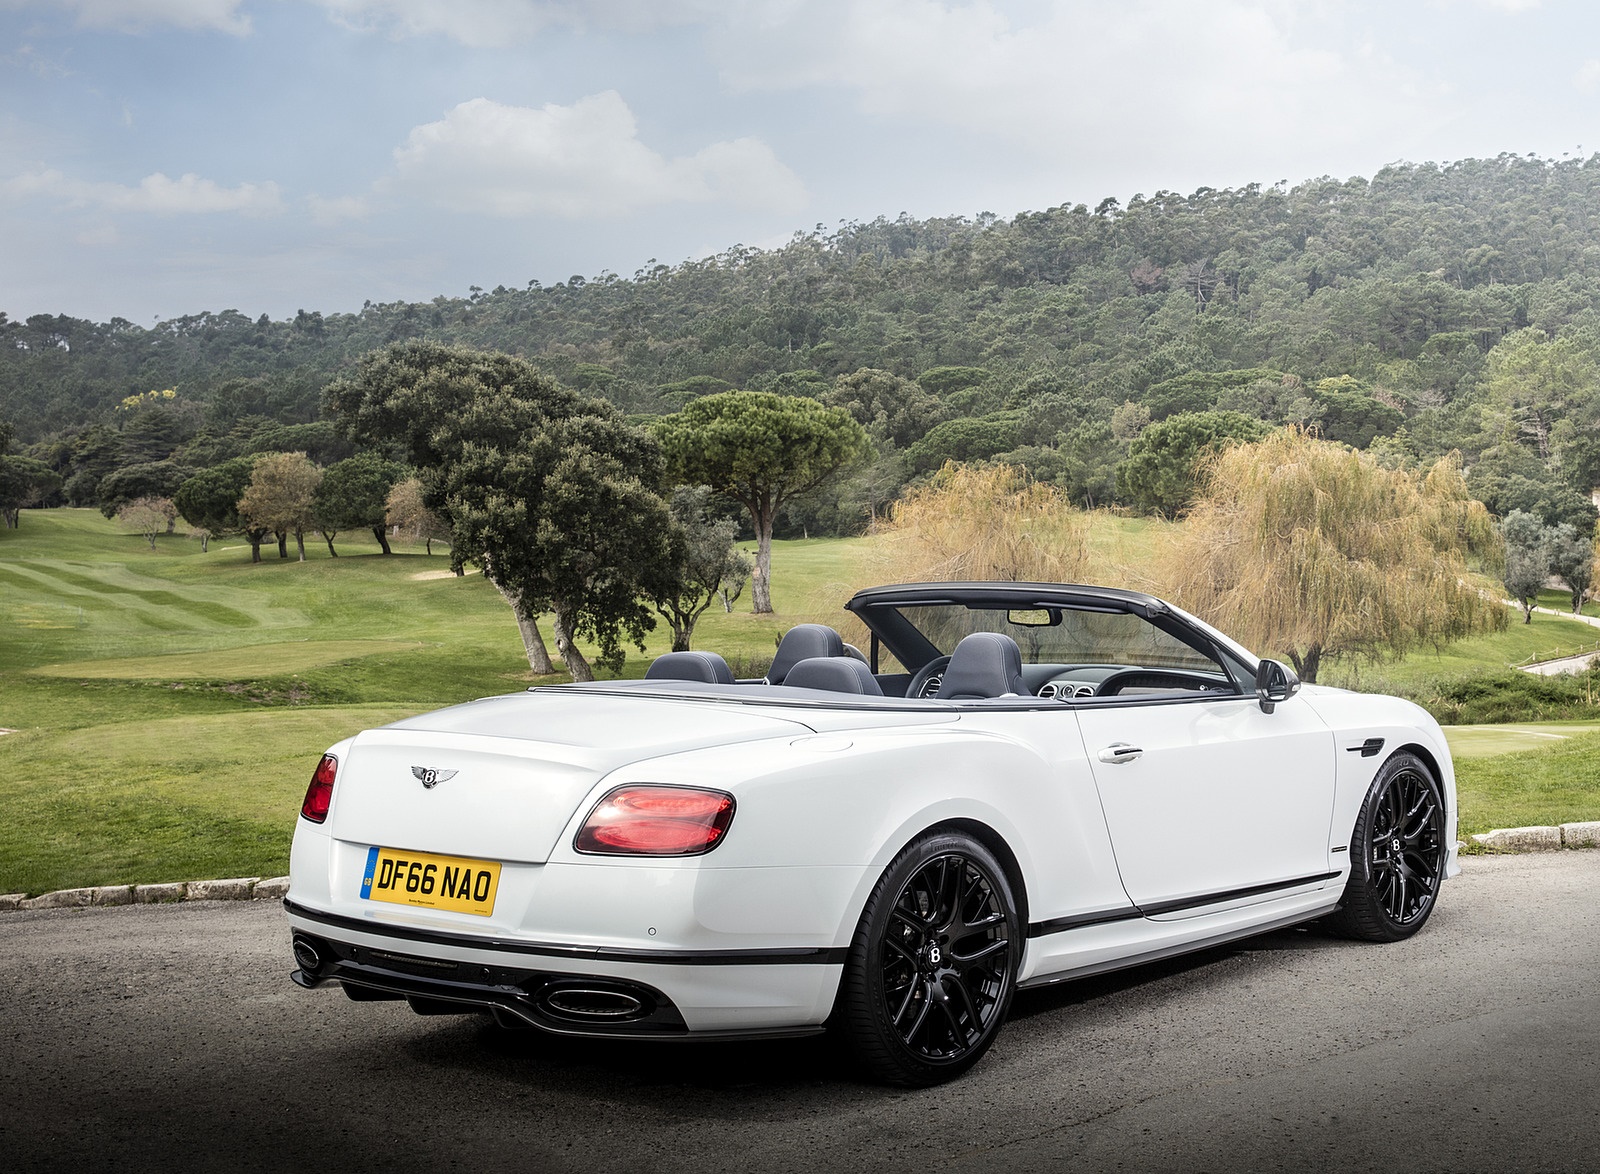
[930, 673]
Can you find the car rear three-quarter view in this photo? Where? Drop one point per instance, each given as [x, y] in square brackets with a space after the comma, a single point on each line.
[1017, 784]
[496, 856]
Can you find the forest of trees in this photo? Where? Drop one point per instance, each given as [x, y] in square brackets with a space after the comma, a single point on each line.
[1429, 309]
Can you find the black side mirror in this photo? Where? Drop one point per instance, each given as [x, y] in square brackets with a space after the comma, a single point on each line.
[1275, 682]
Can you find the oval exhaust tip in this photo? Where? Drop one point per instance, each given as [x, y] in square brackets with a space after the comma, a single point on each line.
[306, 955]
[587, 1003]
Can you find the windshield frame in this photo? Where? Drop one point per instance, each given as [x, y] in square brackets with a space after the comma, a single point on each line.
[879, 608]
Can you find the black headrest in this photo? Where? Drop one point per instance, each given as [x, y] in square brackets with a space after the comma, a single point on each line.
[802, 642]
[837, 674]
[690, 666]
[984, 664]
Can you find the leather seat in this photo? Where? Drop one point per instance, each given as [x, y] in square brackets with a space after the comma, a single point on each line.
[983, 665]
[803, 642]
[836, 674]
[690, 666]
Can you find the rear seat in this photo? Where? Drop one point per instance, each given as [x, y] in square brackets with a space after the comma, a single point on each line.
[803, 642]
[835, 674]
[690, 666]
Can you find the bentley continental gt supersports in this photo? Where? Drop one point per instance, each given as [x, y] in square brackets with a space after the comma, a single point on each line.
[1013, 784]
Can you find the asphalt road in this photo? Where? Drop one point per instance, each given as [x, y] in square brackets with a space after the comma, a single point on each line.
[170, 1038]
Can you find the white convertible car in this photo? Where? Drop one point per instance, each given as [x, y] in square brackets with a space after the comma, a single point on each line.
[1017, 784]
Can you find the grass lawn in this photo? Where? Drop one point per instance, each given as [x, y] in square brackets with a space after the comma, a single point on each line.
[170, 704]
[1545, 638]
[1562, 601]
[1555, 783]
[1490, 741]
[175, 798]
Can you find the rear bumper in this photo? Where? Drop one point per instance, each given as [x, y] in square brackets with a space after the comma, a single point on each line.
[569, 988]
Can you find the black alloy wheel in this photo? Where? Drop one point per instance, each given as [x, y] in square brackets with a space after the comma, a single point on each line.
[1397, 855]
[933, 965]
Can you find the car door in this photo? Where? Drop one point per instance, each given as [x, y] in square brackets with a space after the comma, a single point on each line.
[1206, 797]
[1221, 798]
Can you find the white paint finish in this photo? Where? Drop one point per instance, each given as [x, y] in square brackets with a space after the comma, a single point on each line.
[1359, 716]
[604, 729]
[1021, 774]
[1098, 948]
[1224, 796]
[593, 903]
[508, 800]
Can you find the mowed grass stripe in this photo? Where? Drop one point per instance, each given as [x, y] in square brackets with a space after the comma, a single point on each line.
[249, 662]
[96, 605]
[191, 604]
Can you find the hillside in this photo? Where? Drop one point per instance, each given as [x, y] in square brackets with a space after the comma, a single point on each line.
[1368, 308]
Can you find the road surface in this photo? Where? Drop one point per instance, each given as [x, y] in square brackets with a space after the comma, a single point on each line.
[169, 1038]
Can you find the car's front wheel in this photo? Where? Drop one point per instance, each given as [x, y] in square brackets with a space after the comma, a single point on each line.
[933, 964]
[1397, 855]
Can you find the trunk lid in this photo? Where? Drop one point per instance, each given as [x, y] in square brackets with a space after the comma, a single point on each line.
[521, 766]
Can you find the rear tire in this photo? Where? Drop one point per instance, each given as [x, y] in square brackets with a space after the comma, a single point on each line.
[933, 964]
[1397, 855]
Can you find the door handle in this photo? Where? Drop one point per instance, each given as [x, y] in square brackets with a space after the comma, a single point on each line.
[1119, 752]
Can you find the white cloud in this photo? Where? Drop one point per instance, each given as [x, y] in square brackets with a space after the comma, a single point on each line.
[1587, 79]
[128, 16]
[1511, 5]
[579, 161]
[338, 209]
[489, 23]
[187, 195]
[1214, 82]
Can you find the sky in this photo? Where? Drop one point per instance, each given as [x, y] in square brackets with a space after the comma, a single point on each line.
[165, 157]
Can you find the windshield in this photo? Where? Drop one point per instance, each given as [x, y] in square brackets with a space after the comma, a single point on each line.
[1060, 635]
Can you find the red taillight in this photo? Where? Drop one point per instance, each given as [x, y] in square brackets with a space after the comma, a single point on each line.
[320, 793]
[656, 821]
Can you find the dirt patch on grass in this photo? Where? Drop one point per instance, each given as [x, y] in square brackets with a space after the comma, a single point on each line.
[434, 575]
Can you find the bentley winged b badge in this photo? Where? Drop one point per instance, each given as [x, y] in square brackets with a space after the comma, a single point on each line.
[429, 776]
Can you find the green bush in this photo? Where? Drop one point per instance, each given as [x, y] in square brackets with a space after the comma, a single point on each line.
[1510, 696]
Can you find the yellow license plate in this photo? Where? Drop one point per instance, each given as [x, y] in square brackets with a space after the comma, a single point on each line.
[429, 881]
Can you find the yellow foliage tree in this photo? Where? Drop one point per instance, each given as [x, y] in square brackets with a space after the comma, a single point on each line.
[281, 497]
[975, 523]
[406, 510]
[1312, 550]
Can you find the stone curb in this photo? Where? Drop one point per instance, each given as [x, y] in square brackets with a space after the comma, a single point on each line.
[250, 888]
[1542, 839]
[242, 888]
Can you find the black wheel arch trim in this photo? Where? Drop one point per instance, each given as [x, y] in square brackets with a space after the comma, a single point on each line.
[779, 956]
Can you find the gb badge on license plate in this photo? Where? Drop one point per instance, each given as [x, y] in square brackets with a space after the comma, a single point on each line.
[430, 882]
